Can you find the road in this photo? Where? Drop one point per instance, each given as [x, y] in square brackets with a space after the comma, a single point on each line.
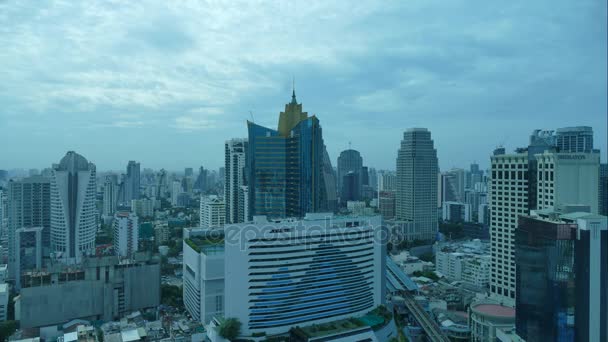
[429, 326]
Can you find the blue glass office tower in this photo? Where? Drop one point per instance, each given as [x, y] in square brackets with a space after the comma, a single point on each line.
[285, 166]
[561, 279]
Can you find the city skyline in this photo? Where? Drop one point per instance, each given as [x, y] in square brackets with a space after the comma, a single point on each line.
[141, 83]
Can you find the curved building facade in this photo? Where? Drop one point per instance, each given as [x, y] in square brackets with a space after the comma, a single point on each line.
[288, 273]
[73, 209]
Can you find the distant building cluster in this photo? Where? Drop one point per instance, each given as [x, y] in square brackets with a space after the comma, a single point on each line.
[277, 244]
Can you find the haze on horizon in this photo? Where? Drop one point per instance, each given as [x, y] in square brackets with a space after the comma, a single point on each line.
[166, 83]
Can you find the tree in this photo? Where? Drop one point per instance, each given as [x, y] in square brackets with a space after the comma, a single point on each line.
[230, 328]
[7, 328]
[171, 295]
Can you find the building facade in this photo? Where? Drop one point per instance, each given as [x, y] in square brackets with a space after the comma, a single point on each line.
[285, 166]
[73, 207]
[212, 211]
[126, 233]
[29, 205]
[132, 185]
[350, 175]
[416, 193]
[567, 178]
[561, 263]
[603, 190]
[110, 195]
[143, 207]
[508, 200]
[28, 252]
[203, 273]
[577, 139]
[282, 274]
[103, 288]
[235, 179]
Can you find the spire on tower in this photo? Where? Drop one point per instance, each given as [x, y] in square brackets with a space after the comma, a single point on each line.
[293, 92]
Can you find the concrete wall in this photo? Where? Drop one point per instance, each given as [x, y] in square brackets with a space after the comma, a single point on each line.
[49, 305]
[91, 298]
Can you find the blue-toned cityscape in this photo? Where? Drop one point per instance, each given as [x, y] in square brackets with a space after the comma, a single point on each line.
[437, 173]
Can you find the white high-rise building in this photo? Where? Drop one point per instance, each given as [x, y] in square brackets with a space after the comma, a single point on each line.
[126, 233]
[289, 273]
[508, 201]
[236, 156]
[567, 178]
[212, 211]
[416, 196]
[73, 208]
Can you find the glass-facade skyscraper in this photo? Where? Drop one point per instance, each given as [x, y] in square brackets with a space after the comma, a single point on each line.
[561, 280]
[285, 166]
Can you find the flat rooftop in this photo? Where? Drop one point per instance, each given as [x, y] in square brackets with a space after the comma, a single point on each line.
[495, 310]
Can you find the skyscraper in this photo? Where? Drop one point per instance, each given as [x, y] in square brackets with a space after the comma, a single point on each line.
[73, 210]
[176, 190]
[29, 206]
[285, 166]
[188, 172]
[201, 180]
[416, 196]
[575, 139]
[508, 200]
[561, 261]
[132, 182]
[350, 161]
[548, 178]
[110, 195]
[235, 172]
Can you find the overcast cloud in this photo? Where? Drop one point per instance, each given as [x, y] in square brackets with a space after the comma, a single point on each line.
[167, 82]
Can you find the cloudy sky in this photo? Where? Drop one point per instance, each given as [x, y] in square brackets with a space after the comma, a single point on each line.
[167, 82]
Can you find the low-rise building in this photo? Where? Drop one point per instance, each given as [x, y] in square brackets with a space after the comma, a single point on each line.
[486, 317]
[466, 261]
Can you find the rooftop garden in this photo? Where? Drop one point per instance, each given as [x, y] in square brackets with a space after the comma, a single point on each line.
[375, 319]
[331, 328]
[200, 243]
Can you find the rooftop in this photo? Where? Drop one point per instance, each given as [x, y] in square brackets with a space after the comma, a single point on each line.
[495, 310]
[205, 243]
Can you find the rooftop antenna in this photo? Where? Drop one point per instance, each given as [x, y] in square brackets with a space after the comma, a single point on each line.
[251, 113]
